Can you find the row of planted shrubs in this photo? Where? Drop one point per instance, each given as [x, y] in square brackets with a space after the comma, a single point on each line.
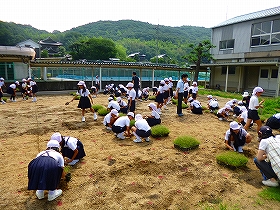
[185, 143]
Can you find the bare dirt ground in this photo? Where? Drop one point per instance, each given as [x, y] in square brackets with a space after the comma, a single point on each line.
[120, 174]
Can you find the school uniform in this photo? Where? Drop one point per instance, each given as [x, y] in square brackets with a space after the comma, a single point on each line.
[97, 83]
[93, 89]
[84, 99]
[186, 90]
[193, 90]
[44, 172]
[155, 119]
[121, 124]
[159, 97]
[170, 85]
[155, 90]
[143, 128]
[145, 93]
[131, 97]
[114, 105]
[34, 87]
[213, 105]
[236, 140]
[11, 89]
[70, 145]
[123, 106]
[24, 88]
[196, 107]
[180, 89]
[165, 91]
[252, 110]
[222, 111]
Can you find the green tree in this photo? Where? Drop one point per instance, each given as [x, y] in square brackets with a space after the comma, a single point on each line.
[198, 54]
[94, 49]
[44, 54]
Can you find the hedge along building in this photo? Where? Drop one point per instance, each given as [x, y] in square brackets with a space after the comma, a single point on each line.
[247, 53]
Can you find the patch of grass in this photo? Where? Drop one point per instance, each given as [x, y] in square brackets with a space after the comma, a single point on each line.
[271, 193]
[207, 111]
[175, 101]
[73, 93]
[186, 142]
[132, 123]
[232, 159]
[159, 131]
[4, 99]
[152, 98]
[103, 111]
[96, 107]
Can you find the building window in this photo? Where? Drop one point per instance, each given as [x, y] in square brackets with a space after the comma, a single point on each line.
[264, 73]
[231, 70]
[266, 33]
[227, 44]
[274, 73]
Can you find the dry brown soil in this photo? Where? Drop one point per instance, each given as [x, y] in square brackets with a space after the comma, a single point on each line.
[120, 174]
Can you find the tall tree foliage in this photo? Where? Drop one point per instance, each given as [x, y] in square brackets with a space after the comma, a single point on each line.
[94, 49]
[198, 54]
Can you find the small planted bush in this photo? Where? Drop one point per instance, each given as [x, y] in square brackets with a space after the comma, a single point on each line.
[174, 101]
[103, 111]
[132, 123]
[271, 193]
[232, 159]
[4, 99]
[184, 106]
[159, 131]
[96, 107]
[152, 97]
[186, 143]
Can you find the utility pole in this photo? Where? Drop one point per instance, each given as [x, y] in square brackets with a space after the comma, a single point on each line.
[157, 43]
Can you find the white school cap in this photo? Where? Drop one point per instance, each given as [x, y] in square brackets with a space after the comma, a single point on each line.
[130, 114]
[138, 117]
[130, 85]
[56, 136]
[53, 143]
[234, 125]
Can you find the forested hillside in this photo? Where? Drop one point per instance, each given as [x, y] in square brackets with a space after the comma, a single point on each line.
[134, 36]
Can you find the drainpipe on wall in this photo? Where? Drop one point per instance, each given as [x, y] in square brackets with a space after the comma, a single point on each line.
[278, 81]
[226, 80]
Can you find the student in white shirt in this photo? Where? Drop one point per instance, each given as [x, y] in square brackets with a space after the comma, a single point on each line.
[85, 99]
[113, 104]
[71, 148]
[110, 118]
[131, 97]
[268, 157]
[122, 125]
[141, 129]
[45, 172]
[195, 106]
[123, 105]
[154, 118]
[254, 105]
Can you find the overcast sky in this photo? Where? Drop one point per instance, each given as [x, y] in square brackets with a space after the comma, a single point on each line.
[63, 15]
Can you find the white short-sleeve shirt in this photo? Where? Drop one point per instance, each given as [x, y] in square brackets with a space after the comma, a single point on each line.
[113, 104]
[142, 125]
[56, 155]
[254, 101]
[70, 142]
[122, 121]
[84, 94]
[132, 94]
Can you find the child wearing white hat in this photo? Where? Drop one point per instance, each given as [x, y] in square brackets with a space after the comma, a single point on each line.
[123, 105]
[193, 90]
[131, 97]
[246, 99]
[45, 172]
[33, 89]
[154, 118]
[223, 113]
[71, 148]
[113, 104]
[122, 125]
[110, 118]
[12, 91]
[2, 83]
[159, 96]
[85, 100]
[195, 106]
[254, 105]
[141, 129]
[236, 137]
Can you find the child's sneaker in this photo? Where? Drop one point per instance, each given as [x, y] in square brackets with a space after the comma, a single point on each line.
[94, 116]
[147, 139]
[137, 140]
[83, 119]
[121, 136]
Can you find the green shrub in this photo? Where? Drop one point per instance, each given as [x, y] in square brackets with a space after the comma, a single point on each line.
[152, 97]
[132, 123]
[4, 99]
[232, 159]
[174, 101]
[103, 111]
[184, 106]
[159, 131]
[206, 111]
[96, 107]
[271, 193]
[186, 142]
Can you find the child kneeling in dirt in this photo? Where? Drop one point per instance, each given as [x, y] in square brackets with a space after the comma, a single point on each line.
[236, 137]
[72, 149]
[141, 129]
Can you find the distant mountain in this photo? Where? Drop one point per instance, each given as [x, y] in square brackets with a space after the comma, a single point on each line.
[135, 36]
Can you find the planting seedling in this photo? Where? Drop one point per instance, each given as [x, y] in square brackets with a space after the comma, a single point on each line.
[103, 111]
[185, 143]
[152, 97]
[96, 107]
[159, 131]
[232, 159]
